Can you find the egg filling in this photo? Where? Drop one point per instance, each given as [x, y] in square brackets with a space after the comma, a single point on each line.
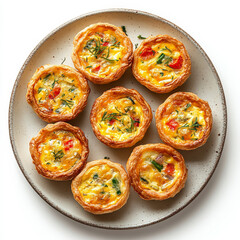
[120, 118]
[160, 63]
[57, 93]
[59, 151]
[184, 121]
[101, 52]
[101, 185]
[157, 171]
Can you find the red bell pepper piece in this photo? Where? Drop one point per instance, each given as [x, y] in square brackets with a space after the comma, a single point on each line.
[170, 169]
[136, 122]
[177, 63]
[96, 69]
[68, 144]
[105, 44]
[111, 121]
[55, 92]
[147, 53]
[172, 124]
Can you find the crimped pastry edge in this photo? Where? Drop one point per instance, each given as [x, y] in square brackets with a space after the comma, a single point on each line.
[98, 209]
[59, 176]
[179, 80]
[126, 61]
[190, 145]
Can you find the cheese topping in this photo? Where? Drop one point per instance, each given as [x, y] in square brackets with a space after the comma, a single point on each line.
[160, 63]
[59, 151]
[101, 185]
[184, 121]
[57, 93]
[101, 52]
[120, 118]
[157, 171]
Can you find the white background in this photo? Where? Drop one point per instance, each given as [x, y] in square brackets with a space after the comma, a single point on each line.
[214, 214]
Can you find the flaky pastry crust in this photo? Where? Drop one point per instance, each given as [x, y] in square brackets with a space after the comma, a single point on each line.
[135, 172]
[169, 85]
[185, 100]
[98, 207]
[47, 113]
[100, 53]
[118, 93]
[36, 152]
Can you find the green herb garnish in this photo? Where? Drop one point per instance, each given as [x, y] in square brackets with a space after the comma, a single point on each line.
[158, 166]
[124, 29]
[40, 89]
[160, 58]
[166, 48]
[95, 176]
[144, 180]
[63, 60]
[141, 37]
[71, 89]
[46, 77]
[131, 100]
[115, 184]
[195, 125]
[58, 155]
[188, 106]
[54, 82]
[68, 103]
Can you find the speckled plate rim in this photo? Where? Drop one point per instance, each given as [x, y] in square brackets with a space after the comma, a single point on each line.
[123, 10]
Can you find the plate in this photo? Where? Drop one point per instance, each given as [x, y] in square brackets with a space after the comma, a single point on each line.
[56, 48]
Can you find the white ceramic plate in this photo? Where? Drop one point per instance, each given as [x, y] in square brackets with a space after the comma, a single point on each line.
[24, 123]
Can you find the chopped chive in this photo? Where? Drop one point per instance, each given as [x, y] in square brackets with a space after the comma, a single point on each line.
[188, 106]
[131, 100]
[124, 29]
[95, 176]
[58, 155]
[63, 60]
[144, 180]
[160, 58]
[166, 48]
[141, 37]
[40, 89]
[115, 184]
[46, 77]
[68, 103]
[158, 166]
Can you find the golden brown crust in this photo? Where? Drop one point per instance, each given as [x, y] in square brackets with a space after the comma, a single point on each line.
[191, 98]
[134, 173]
[48, 115]
[99, 208]
[121, 92]
[186, 66]
[126, 60]
[35, 154]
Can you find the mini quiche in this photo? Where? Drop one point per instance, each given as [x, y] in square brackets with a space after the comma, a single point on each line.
[161, 63]
[57, 93]
[59, 151]
[120, 117]
[102, 52]
[156, 171]
[101, 187]
[184, 121]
